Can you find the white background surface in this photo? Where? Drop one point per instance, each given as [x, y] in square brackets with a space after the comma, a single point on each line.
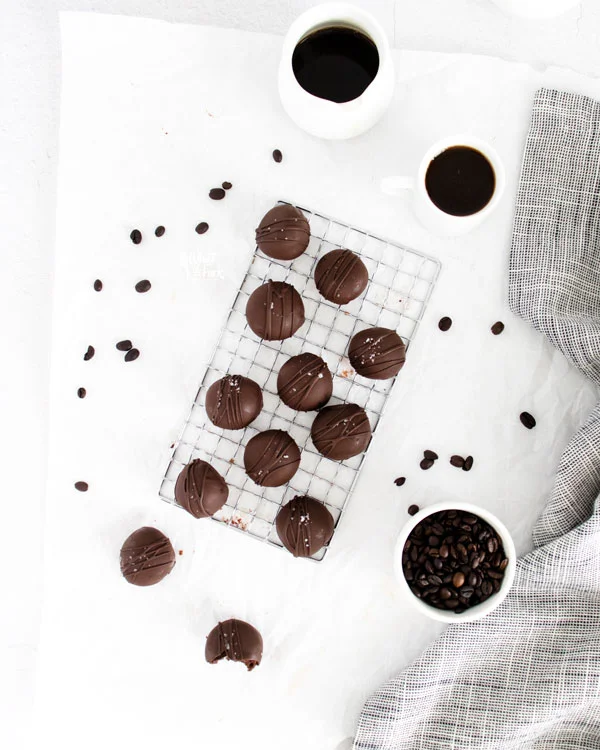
[30, 80]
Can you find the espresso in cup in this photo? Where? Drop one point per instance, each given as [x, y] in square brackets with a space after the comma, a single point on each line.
[336, 63]
[460, 181]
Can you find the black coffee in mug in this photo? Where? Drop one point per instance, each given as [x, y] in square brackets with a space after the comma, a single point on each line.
[460, 181]
[336, 63]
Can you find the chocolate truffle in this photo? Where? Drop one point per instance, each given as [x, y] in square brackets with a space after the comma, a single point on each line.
[377, 353]
[304, 526]
[147, 556]
[233, 402]
[283, 233]
[234, 640]
[275, 311]
[341, 431]
[304, 382]
[200, 489]
[341, 276]
[271, 458]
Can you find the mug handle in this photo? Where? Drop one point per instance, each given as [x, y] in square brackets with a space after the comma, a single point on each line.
[397, 185]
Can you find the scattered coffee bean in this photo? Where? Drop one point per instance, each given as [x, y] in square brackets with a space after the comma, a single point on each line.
[426, 463]
[89, 354]
[132, 355]
[98, 285]
[202, 227]
[277, 156]
[216, 194]
[226, 185]
[468, 463]
[431, 455]
[159, 231]
[461, 572]
[81, 486]
[81, 392]
[143, 286]
[136, 236]
[124, 346]
[445, 324]
[497, 328]
[413, 510]
[527, 420]
[457, 461]
[399, 481]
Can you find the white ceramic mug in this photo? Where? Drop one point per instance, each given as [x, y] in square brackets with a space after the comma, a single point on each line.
[322, 117]
[432, 217]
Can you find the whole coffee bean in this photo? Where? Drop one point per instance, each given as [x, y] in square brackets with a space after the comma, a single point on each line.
[124, 346]
[81, 486]
[159, 231]
[429, 566]
[445, 593]
[527, 420]
[445, 324]
[438, 564]
[277, 156]
[503, 564]
[433, 541]
[226, 185]
[81, 392]
[458, 580]
[399, 481]
[216, 194]
[468, 463]
[444, 550]
[98, 285]
[431, 455]
[202, 227]
[413, 510]
[494, 574]
[136, 236]
[143, 286]
[451, 603]
[132, 355]
[497, 328]
[426, 463]
[467, 592]
[486, 588]
[89, 353]
[472, 579]
[457, 461]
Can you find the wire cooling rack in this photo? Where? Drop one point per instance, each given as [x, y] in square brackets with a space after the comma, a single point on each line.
[400, 285]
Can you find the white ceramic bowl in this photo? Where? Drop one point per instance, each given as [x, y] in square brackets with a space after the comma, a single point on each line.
[479, 610]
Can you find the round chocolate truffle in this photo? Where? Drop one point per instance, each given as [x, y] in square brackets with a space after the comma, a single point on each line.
[283, 233]
[234, 640]
[377, 353]
[341, 431]
[341, 276]
[200, 489]
[275, 311]
[147, 556]
[304, 382]
[271, 458]
[304, 526]
[233, 402]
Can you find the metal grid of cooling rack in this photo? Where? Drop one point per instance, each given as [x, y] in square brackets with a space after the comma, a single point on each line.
[400, 285]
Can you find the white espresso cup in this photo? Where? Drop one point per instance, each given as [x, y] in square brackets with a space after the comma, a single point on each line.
[433, 218]
[321, 117]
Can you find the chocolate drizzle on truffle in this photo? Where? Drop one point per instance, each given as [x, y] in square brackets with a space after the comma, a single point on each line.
[234, 640]
[377, 353]
[275, 311]
[304, 526]
[283, 233]
[341, 276]
[200, 489]
[304, 382]
[147, 556]
[341, 431]
[233, 402]
[271, 458]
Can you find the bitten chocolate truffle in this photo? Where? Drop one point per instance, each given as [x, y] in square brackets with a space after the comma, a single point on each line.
[377, 353]
[304, 382]
[304, 526]
[234, 640]
[200, 489]
[341, 431]
[271, 458]
[283, 233]
[275, 311]
[341, 276]
[147, 556]
[233, 402]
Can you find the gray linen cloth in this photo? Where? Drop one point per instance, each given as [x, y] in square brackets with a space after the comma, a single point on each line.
[528, 675]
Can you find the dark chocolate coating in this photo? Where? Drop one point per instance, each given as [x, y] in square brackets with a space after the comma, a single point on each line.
[233, 402]
[234, 640]
[147, 556]
[271, 458]
[377, 353]
[200, 489]
[341, 431]
[304, 526]
[283, 233]
[304, 382]
[275, 311]
[341, 276]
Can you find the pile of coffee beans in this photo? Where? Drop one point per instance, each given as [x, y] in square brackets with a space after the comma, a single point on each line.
[453, 560]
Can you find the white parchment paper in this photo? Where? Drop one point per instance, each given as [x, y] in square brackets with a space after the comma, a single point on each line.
[153, 116]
